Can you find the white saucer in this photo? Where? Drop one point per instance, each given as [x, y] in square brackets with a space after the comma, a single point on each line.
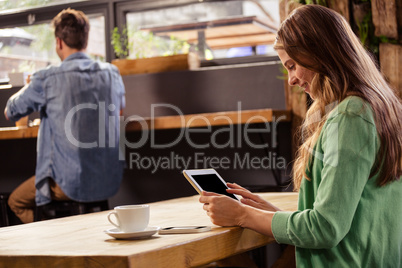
[148, 232]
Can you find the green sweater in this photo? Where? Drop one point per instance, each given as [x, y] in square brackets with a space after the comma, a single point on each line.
[344, 219]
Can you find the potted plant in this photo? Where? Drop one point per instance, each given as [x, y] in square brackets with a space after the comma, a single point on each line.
[120, 42]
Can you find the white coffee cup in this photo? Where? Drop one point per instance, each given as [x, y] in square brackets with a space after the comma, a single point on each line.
[130, 218]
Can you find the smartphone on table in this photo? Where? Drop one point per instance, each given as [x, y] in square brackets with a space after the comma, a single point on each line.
[184, 229]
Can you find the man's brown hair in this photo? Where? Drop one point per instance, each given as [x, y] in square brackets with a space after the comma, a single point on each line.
[72, 26]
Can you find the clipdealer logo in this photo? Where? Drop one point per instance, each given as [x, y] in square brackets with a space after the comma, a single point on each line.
[236, 138]
[202, 161]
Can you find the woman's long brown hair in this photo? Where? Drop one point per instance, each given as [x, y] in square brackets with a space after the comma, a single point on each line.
[321, 40]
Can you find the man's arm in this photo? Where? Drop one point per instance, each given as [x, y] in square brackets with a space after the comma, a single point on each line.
[30, 98]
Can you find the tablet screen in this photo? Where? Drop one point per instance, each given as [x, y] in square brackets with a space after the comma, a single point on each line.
[212, 183]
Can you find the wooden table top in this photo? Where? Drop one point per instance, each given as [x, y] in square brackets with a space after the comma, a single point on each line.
[177, 121]
[80, 241]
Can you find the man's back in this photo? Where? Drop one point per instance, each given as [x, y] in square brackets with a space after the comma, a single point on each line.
[79, 103]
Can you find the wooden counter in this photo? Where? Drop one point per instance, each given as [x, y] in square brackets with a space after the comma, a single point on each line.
[211, 119]
[178, 121]
[80, 241]
[8, 133]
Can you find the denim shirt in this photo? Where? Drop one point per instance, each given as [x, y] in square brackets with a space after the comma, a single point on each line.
[78, 140]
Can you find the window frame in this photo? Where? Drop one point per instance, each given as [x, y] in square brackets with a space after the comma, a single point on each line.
[19, 17]
[114, 12]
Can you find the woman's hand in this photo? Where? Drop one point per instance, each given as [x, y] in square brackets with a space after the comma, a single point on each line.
[250, 199]
[226, 211]
[223, 210]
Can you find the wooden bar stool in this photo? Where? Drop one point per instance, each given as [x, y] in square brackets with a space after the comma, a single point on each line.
[4, 220]
[58, 209]
[7, 217]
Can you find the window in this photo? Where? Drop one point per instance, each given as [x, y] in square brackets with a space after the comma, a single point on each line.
[213, 29]
[26, 49]
[96, 40]
[31, 48]
[207, 34]
[15, 4]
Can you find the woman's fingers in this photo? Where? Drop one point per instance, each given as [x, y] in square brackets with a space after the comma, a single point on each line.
[243, 193]
[235, 186]
[206, 197]
[251, 202]
[205, 193]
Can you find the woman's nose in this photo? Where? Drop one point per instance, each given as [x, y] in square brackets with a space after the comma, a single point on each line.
[292, 80]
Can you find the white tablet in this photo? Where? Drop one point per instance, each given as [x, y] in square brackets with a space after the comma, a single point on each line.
[207, 180]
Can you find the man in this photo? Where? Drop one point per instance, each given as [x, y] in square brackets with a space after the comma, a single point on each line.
[78, 142]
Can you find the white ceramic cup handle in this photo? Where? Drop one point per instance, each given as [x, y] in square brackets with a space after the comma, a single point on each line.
[117, 218]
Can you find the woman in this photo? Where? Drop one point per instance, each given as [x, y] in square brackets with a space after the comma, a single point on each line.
[348, 169]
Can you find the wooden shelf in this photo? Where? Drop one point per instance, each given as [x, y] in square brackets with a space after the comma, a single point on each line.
[178, 121]
[210, 119]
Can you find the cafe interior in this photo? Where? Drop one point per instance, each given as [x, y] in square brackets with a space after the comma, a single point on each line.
[204, 89]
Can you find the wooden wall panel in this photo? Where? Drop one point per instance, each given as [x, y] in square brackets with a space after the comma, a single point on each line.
[399, 17]
[286, 7]
[342, 7]
[391, 65]
[385, 17]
